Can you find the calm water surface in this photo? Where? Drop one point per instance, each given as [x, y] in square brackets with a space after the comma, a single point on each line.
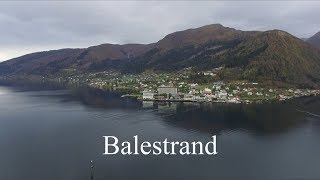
[53, 135]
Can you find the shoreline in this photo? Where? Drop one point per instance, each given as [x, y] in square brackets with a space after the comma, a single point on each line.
[125, 92]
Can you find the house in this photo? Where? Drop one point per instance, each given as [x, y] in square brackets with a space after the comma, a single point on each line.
[222, 94]
[207, 91]
[259, 94]
[147, 95]
[199, 98]
[193, 85]
[188, 97]
[209, 73]
[218, 85]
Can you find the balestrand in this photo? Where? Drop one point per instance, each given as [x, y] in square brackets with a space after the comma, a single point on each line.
[113, 146]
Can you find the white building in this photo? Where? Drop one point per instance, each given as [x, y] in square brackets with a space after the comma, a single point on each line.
[147, 95]
[209, 73]
[188, 97]
[223, 94]
[216, 87]
[193, 85]
[207, 91]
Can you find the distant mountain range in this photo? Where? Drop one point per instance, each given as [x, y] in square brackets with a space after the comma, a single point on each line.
[315, 40]
[273, 55]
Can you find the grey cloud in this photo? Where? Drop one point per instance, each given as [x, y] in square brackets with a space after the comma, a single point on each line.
[37, 26]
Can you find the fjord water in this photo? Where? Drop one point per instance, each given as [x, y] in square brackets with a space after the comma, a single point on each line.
[53, 135]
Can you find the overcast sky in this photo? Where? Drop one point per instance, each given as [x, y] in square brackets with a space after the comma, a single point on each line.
[37, 26]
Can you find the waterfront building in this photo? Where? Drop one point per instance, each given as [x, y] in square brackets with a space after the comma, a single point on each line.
[188, 97]
[199, 98]
[147, 95]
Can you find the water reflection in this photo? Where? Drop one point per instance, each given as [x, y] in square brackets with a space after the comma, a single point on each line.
[212, 118]
[206, 117]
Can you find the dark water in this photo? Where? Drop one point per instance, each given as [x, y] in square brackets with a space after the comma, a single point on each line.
[53, 135]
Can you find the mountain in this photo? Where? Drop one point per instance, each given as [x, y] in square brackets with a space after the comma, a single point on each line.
[278, 56]
[201, 35]
[190, 47]
[50, 62]
[258, 56]
[272, 55]
[112, 55]
[315, 40]
[99, 57]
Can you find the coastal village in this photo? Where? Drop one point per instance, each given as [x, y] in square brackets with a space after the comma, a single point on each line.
[180, 88]
[220, 92]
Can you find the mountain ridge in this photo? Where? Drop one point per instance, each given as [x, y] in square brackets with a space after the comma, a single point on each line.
[315, 40]
[273, 55]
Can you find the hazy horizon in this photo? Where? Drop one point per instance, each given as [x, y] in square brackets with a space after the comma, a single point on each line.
[56, 25]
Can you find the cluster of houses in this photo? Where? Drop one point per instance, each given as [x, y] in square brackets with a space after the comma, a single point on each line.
[170, 93]
[224, 93]
[234, 92]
